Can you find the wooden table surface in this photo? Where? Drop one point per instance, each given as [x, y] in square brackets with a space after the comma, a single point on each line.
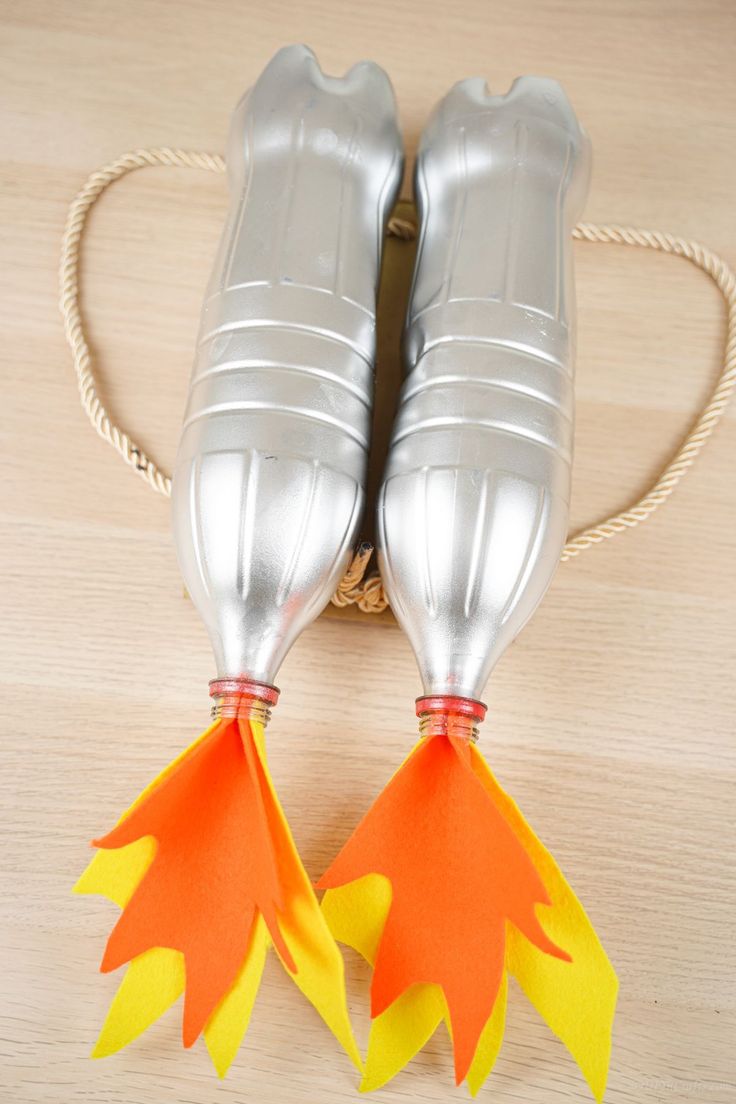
[611, 719]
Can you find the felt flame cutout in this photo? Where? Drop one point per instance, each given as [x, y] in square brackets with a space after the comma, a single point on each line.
[439, 887]
[206, 871]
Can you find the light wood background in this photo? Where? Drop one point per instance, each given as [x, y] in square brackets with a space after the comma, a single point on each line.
[611, 719]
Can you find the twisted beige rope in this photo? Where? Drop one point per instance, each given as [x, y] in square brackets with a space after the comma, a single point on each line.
[82, 203]
[706, 421]
[355, 588]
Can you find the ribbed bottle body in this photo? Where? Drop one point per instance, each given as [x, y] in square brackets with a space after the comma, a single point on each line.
[474, 506]
[269, 482]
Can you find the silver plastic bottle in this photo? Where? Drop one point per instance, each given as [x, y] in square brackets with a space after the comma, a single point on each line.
[268, 488]
[473, 511]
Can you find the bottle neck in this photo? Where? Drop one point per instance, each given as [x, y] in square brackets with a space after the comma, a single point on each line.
[244, 698]
[444, 715]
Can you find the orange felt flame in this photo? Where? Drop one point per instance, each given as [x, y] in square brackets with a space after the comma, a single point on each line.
[458, 872]
[215, 868]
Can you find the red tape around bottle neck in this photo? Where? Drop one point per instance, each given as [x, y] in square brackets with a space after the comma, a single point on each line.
[244, 688]
[451, 706]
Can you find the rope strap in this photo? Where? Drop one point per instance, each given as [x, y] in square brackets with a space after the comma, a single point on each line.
[356, 588]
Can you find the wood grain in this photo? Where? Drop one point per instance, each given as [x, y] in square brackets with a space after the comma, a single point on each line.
[611, 719]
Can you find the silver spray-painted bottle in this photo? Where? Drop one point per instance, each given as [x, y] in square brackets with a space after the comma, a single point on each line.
[473, 511]
[268, 488]
[472, 517]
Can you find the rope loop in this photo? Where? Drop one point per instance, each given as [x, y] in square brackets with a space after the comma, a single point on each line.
[356, 588]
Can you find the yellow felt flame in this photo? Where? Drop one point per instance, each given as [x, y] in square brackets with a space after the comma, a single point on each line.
[155, 980]
[577, 999]
[356, 914]
[320, 971]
